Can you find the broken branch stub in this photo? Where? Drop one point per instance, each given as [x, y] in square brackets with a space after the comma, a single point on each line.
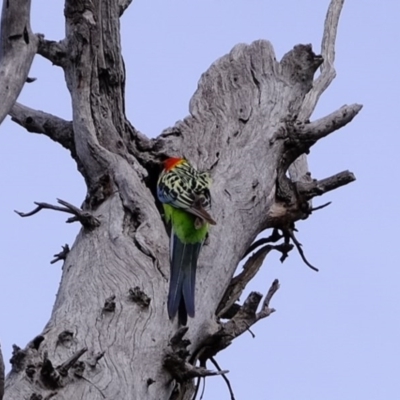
[36, 121]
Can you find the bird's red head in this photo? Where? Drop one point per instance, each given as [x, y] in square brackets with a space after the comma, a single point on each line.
[172, 162]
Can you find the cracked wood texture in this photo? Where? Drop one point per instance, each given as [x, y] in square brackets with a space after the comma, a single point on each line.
[243, 104]
[17, 48]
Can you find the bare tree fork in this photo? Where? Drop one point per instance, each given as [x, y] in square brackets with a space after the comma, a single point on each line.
[241, 322]
[2, 374]
[243, 128]
[36, 121]
[299, 169]
[17, 49]
[86, 218]
[250, 269]
[248, 315]
[298, 138]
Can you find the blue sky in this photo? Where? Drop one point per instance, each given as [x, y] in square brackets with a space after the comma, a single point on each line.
[336, 333]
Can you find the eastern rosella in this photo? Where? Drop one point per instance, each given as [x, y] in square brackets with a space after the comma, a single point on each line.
[185, 195]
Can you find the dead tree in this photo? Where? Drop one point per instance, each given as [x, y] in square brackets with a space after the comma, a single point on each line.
[109, 335]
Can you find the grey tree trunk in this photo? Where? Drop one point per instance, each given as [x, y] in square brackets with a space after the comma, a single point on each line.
[109, 335]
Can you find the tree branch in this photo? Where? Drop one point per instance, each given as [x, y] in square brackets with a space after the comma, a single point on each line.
[328, 72]
[273, 238]
[298, 170]
[318, 188]
[247, 315]
[321, 206]
[36, 121]
[62, 255]
[266, 311]
[56, 52]
[239, 282]
[17, 50]
[292, 202]
[228, 383]
[175, 361]
[183, 370]
[300, 137]
[84, 217]
[250, 269]
[241, 322]
[289, 234]
[322, 127]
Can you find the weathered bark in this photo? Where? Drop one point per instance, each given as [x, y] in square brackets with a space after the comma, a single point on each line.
[17, 48]
[109, 335]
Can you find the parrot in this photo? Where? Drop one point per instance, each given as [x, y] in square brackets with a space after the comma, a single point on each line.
[185, 196]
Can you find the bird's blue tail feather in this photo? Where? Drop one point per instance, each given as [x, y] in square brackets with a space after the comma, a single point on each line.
[182, 279]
